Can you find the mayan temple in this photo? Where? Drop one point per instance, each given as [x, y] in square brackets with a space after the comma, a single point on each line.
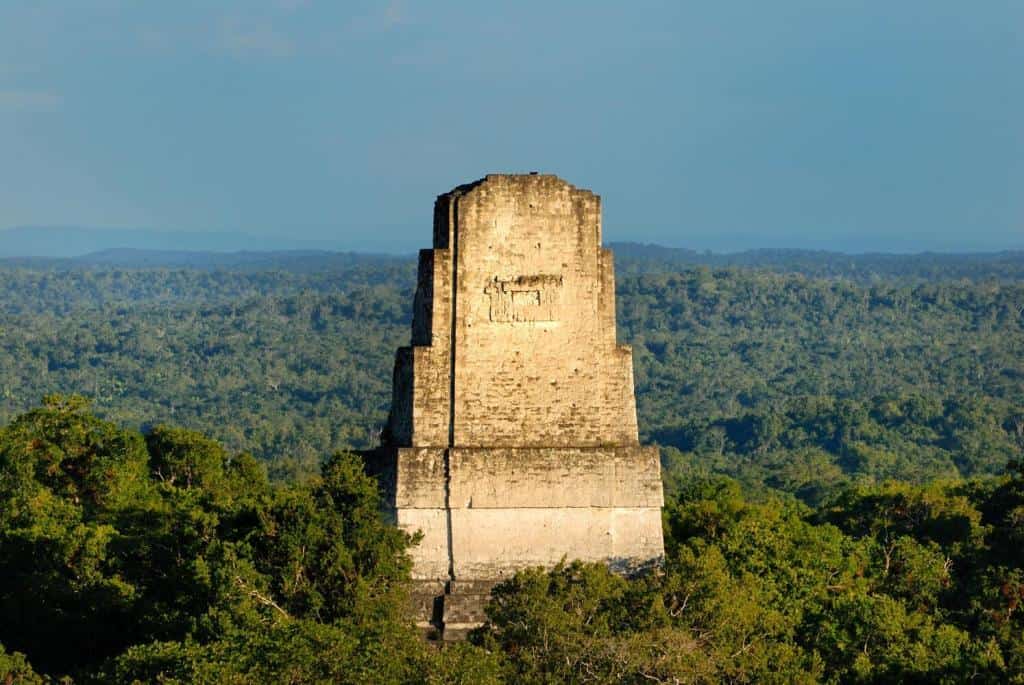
[512, 439]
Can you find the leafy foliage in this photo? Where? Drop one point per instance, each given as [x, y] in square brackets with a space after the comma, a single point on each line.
[14, 668]
[165, 558]
[154, 556]
[891, 583]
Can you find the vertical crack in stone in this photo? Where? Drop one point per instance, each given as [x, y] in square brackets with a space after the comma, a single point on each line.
[448, 510]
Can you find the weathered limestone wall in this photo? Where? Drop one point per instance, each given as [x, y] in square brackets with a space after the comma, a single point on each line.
[510, 508]
[534, 324]
[512, 439]
[537, 361]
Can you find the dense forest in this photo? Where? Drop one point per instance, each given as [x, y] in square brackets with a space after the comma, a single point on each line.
[869, 268]
[162, 557]
[778, 379]
[842, 441]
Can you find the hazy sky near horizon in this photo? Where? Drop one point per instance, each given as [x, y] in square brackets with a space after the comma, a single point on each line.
[829, 124]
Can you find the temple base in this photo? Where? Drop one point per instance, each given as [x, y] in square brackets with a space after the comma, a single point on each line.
[485, 513]
[447, 612]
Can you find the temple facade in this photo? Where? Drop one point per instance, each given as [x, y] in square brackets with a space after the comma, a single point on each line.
[512, 439]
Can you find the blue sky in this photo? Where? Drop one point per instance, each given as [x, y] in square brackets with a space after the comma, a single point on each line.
[826, 124]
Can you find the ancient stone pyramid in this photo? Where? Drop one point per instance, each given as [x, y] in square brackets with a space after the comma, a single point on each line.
[512, 439]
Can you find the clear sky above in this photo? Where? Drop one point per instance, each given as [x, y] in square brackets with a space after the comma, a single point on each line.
[831, 124]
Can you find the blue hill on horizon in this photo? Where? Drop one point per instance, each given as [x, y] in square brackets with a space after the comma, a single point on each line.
[73, 241]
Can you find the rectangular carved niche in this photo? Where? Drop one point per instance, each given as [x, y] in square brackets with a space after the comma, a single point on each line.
[524, 298]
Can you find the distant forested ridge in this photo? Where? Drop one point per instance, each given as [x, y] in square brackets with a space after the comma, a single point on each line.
[768, 373]
[873, 267]
[63, 242]
[630, 258]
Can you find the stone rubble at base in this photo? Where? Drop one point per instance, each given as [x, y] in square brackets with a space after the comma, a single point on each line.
[512, 439]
